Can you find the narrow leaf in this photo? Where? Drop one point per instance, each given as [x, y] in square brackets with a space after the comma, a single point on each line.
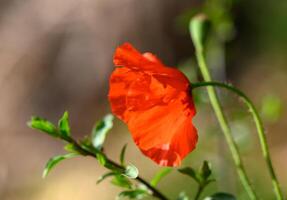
[205, 170]
[54, 161]
[190, 172]
[131, 172]
[133, 194]
[103, 177]
[121, 181]
[71, 148]
[43, 125]
[122, 155]
[88, 147]
[162, 173]
[100, 131]
[64, 126]
[101, 158]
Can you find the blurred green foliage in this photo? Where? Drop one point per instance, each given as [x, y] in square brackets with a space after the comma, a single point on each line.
[271, 108]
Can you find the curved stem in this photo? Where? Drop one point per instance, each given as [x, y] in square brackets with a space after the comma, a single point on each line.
[155, 192]
[259, 127]
[224, 126]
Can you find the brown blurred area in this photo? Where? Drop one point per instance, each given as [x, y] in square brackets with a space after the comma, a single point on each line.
[56, 55]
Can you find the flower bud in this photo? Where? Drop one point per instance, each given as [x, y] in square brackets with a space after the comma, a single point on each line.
[199, 28]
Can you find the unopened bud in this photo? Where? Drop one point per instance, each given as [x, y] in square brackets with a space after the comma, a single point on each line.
[199, 28]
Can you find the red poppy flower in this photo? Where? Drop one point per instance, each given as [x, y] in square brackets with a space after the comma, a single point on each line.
[155, 102]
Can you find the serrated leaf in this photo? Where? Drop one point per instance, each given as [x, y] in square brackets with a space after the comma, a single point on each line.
[54, 161]
[122, 155]
[43, 125]
[182, 196]
[64, 126]
[121, 181]
[133, 194]
[131, 171]
[190, 172]
[162, 173]
[103, 177]
[205, 170]
[100, 131]
[220, 196]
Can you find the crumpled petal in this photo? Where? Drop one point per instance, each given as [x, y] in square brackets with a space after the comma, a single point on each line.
[156, 104]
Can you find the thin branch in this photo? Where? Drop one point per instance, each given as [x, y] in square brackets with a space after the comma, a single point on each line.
[155, 192]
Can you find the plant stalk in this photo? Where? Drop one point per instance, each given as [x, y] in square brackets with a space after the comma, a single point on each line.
[259, 127]
[198, 193]
[224, 126]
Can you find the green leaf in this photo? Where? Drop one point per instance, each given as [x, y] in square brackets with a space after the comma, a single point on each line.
[114, 168]
[88, 147]
[133, 194]
[131, 172]
[121, 181]
[162, 173]
[122, 155]
[182, 196]
[64, 126]
[220, 196]
[101, 158]
[87, 141]
[71, 148]
[100, 131]
[43, 125]
[205, 170]
[190, 172]
[103, 177]
[54, 161]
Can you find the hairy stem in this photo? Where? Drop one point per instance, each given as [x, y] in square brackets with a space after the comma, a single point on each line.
[224, 126]
[259, 127]
[155, 192]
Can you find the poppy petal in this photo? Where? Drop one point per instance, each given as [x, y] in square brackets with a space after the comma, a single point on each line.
[156, 104]
[152, 58]
[126, 55]
[120, 81]
[165, 133]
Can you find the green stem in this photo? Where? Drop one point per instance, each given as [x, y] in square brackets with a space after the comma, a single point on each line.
[199, 191]
[259, 127]
[224, 126]
[155, 192]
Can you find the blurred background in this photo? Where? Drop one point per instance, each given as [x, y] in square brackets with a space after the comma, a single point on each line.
[57, 56]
